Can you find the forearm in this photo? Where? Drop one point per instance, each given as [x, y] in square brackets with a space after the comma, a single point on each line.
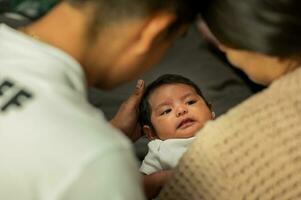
[153, 183]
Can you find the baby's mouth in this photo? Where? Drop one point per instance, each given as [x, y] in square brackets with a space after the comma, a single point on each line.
[185, 123]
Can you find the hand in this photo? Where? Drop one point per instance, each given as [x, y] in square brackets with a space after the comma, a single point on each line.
[126, 118]
[153, 183]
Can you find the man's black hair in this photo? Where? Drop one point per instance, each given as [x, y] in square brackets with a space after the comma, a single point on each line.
[144, 106]
[110, 11]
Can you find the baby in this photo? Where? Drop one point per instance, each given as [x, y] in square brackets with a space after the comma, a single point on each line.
[172, 110]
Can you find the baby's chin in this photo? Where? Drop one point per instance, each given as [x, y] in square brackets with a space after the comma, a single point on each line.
[189, 131]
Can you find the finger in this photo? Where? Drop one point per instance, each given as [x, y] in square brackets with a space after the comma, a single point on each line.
[134, 99]
[139, 87]
[136, 96]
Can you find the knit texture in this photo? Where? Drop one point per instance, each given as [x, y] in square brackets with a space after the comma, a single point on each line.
[252, 152]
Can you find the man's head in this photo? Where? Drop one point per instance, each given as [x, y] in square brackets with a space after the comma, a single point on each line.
[113, 11]
[127, 37]
[173, 107]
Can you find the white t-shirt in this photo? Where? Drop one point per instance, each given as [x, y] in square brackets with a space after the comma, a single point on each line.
[53, 143]
[164, 154]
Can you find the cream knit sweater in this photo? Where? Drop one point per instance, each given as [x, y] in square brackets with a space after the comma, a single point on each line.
[252, 152]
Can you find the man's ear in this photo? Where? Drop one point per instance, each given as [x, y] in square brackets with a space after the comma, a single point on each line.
[149, 132]
[155, 27]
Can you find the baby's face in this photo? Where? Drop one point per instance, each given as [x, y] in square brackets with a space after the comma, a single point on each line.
[177, 111]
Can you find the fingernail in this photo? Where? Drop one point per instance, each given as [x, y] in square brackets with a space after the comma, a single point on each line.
[139, 83]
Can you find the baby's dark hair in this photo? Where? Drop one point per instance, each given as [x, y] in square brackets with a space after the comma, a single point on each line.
[144, 106]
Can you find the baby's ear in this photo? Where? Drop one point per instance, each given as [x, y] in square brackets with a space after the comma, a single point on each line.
[149, 132]
[213, 115]
[212, 112]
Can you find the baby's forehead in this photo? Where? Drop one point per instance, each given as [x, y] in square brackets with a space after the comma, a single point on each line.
[172, 90]
[179, 87]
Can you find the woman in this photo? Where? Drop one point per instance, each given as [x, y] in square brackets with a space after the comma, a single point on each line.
[253, 151]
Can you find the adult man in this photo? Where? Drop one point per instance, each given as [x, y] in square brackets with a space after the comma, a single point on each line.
[53, 144]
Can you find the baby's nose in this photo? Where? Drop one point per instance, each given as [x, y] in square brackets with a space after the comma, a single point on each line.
[181, 111]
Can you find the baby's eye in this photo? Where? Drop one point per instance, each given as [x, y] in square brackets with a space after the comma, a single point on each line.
[165, 112]
[191, 102]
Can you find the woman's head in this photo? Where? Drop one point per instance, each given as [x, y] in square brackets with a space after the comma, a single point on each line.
[269, 28]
